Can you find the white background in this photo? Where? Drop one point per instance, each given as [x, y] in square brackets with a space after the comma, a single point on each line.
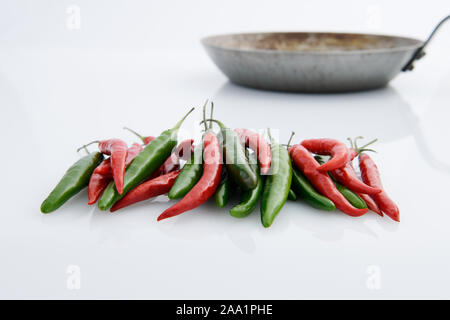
[140, 64]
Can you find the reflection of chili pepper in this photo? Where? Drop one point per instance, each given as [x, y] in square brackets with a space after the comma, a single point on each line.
[145, 140]
[102, 175]
[370, 203]
[259, 145]
[321, 181]
[347, 177]
[336, 149]
[277, 185]
[236, 158]
[249, 198]
[74, 180]
[147, 190]
[371, 176]
[207, 185]
[145, 163]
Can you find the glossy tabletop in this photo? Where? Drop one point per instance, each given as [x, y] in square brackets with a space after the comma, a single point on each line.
[55, 97]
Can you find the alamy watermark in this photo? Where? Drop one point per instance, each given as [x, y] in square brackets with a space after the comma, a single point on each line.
[374, 17]
[73, 281]
[373, 281]
[73, 19]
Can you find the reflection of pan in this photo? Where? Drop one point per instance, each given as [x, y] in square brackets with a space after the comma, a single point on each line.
[384, 115]
[313, 62]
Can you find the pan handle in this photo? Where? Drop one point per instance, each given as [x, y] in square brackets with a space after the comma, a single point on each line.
[419, 53]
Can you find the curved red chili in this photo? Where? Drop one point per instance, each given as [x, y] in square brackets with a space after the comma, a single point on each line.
[371, 176]
[102, 175]
[207, 185]
[149, 189]
[336, 149]
[259, 145]
[99, 180]
[321, 181]
[370, 203]
[347, 177]
[118, 150]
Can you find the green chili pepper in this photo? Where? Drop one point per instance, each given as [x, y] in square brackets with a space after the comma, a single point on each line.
[249, 198]
[223, 191]
[277, 185]
[193, 169]
[74, 180]
[306, 191]
[292, 195]
[145, 163]
[189, 175]
[352, 197]
[236, 159]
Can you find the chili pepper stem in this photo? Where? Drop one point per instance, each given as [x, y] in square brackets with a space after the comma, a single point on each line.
[351, 142]
[88, 144]
[369, 143]
[85, 149]
[204, 114]
[178, 125]
[272, 140]
[221, 125]
[135, 133]
[359, 150]
[290, 139]
[211, 114]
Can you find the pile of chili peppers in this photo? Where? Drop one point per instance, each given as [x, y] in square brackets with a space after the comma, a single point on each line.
[318, 171]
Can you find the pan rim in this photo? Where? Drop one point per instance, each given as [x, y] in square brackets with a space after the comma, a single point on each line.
[206, 41]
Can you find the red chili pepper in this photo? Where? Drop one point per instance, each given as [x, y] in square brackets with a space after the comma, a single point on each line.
[321, 181]
[102, 175]
[185, 148]
[347, 176]
[148, 139]
[118, 150]
[371, 176]
[207, 185]
[336, 149]
[370, 203]
[259, 145]
[99, 180]
[149, 189]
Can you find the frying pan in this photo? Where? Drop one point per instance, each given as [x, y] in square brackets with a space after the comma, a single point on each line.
[314, 61]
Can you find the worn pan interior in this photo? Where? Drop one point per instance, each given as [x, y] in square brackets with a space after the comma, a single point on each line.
[310, 61]
[310, 42]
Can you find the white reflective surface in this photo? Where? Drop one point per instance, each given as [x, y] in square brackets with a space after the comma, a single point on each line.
[55, 96]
